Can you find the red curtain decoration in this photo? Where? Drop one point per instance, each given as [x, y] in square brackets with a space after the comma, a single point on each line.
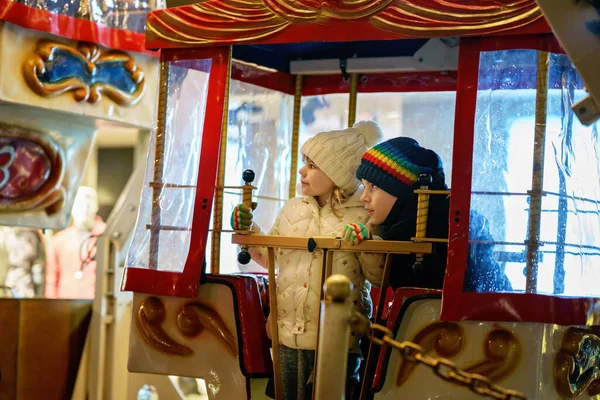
[280, 21]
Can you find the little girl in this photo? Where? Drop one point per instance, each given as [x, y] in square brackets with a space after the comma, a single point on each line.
[331, 199]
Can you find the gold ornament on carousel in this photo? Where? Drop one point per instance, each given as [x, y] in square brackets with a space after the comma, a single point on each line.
[88, 71]
[501, 348]
[193, 319]
[577, 364]
[410, 352]
[234, 21]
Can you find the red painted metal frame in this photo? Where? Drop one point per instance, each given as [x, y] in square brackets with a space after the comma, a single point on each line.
[186, 283]
[456, 304]
[274, 80]
[313, 85]
[397, 301]
[396, 82]
[255, 358]
[72, 28]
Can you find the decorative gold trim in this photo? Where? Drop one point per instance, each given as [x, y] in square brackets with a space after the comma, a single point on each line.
[352, 100]
[150, 317]
[159, 161]
[195, 317]
[447, 339]
[92, 55]
[191, 320]
[234, 21]
[295, 136]
[537, 173]
[577, 363]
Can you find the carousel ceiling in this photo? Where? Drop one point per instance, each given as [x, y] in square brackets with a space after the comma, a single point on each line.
[215, 22]
[279, 56]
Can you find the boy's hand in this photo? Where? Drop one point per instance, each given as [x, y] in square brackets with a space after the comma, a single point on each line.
[241, 217]
[356, 233]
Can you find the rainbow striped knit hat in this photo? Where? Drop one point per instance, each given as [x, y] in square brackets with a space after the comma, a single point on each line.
[395, 165]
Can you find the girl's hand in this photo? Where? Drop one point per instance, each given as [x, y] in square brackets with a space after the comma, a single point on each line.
[241, 217]
[356, 233]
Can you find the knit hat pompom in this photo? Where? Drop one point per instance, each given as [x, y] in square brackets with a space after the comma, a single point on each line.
[395, 165]
[370, 131]
[337, 153]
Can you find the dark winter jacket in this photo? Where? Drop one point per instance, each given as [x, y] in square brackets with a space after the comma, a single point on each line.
[483, 273]
[401, 225]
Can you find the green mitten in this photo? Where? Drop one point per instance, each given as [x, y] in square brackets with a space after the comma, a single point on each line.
[241, 217]
[356, 233]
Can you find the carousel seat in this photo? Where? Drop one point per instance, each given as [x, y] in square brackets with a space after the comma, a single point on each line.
[394, 318]
[254, 344]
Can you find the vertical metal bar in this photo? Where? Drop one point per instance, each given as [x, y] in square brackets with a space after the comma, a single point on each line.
[295, 135]
[334, 338]
[215, 260]
[352, 100]
[537, 179]
[274, 325]
[159, 154]
[462, 177]
[563, 206]
[327, 267]
[373, 355]
[422, 216]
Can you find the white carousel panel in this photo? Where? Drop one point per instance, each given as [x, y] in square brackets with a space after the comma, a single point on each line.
[47, 153]
[22, 52]
[158, 344]
[520, 356]
[576, 24]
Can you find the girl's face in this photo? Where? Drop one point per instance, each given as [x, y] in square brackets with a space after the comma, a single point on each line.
[315, 183]
[378, 202]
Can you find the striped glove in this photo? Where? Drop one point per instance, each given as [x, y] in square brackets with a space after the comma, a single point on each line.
[241, 217]
[354, 234]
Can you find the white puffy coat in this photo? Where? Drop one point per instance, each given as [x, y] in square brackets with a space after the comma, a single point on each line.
[299, 275]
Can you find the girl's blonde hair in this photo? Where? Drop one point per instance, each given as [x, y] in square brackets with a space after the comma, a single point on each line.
[337, 197]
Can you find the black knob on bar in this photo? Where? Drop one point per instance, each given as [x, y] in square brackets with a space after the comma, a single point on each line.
[244, 257]
[425, 179]
[248, 176]
[418, 267]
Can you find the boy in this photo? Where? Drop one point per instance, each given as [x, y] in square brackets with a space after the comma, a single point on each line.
[390, 172]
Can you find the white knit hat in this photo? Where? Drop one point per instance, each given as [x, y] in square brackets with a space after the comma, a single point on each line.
[338, 153]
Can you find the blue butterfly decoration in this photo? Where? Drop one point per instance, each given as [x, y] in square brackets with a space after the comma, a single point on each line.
[88, 71]
[66, 65]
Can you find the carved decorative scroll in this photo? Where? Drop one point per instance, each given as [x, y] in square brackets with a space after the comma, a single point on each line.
[88, 71]
[577, 364]
[501, 348]
[195, 317]
[150, 318]
[445, 338]
[502, 355]
[192, 319]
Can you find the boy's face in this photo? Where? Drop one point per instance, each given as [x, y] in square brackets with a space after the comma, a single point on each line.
[377, 201]
[314, 181]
